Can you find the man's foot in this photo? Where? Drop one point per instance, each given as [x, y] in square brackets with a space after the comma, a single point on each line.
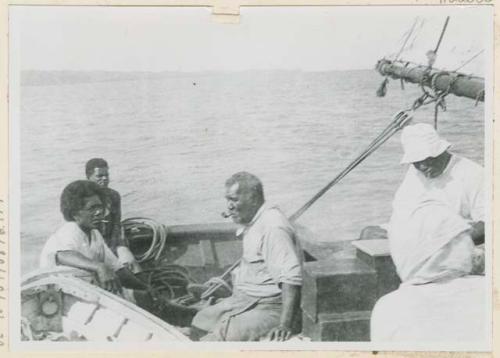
[196, 334]
[185, 331]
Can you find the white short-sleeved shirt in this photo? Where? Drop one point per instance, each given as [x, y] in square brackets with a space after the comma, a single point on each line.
[71, 238]
[270, 255]
[460, 187]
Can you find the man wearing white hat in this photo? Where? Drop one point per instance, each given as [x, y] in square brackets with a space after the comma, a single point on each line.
[437, 174]
[437, 217]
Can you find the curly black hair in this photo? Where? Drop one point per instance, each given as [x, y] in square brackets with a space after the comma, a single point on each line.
[74, 195]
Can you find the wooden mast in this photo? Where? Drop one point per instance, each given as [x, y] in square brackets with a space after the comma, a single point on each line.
[455, 83]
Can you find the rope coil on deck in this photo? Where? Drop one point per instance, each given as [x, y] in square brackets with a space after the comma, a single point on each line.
[169, 280]
[145, 229]
[165, 279]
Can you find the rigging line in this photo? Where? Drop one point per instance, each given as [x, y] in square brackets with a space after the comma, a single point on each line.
[406, 39]
[336, 180]
[214, 285]
[382, 90]
[442, 34]
[395, 122]
[400, 120]
[418, 30]
[469, 60]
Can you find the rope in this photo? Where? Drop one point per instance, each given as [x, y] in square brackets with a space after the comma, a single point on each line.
[479, 96]
[217, 281]
[382, 90]
[214, 284]
[442, 34]
[141, 229]
[469, 60]
[167, 280]
[440, 96]
[432, 54]
[164, 280]
[398, 122]
[406, 39]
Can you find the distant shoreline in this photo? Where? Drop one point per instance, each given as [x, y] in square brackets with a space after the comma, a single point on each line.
[47, 78]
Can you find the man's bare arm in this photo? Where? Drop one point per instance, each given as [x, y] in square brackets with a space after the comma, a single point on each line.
[129, 280]
[105, 275]
[290, 295]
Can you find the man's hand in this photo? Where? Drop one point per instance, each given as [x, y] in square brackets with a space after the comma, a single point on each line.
[290, 295]
[478, 260]
[107, 279]
[105, 275]
[373, 233]
[134, 267]
[280, 334]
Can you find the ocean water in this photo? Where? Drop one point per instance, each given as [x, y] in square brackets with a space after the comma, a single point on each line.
[171, 140]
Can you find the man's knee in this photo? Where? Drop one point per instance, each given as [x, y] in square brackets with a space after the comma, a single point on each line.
[252, 325]
[236, 332]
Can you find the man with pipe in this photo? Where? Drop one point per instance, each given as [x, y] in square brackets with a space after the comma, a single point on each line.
[266, 285]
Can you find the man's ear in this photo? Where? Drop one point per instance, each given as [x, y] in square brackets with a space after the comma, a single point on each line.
[255, 200]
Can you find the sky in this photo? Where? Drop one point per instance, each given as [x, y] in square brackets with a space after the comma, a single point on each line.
[267, 38]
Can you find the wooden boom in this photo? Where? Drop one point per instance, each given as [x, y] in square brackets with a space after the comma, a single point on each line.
[456, 83]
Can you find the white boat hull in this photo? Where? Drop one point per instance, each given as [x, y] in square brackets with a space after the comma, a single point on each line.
[61, 305]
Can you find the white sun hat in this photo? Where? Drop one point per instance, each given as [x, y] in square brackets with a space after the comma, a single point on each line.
[421, 141]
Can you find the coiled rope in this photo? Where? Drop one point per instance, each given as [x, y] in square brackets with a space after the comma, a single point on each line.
[216, 282]
[140, 230]
[166, 280]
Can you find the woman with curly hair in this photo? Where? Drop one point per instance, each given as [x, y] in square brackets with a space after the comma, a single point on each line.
[79, 244]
